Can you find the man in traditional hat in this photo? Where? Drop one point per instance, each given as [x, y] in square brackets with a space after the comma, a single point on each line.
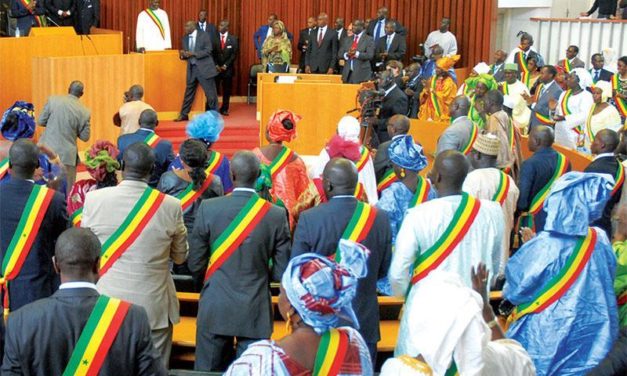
[515, 92]
[439, 92]
[486, 182]
[572, 109]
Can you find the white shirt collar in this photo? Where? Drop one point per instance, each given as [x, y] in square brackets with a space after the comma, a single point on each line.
[323, 28]
[343, 196]
[78, 285]
[225, 35]
[546, 86]
[391, 36]
[389, 90]
[193, 34]
[459, 119]
[244, 189]
[398, 135]
[148, 130]
[603, 155]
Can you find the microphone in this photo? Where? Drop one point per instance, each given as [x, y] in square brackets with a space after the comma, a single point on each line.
[51, 20]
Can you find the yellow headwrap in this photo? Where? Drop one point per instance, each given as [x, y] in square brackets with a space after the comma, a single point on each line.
[447, 62]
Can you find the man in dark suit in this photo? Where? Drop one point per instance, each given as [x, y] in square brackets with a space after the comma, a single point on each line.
[391, 46]
[226, 53]
[342, 34]
[235, 300]
[605, 162]
[413, 88]
[539, 103]
[201, 70]
[497, 70]
[572, 59]
[357, 51]
[207, 27]
[323, 45]
[598, 72]
[87, 15]
[394, 103]
[303, 42]
[319, 230]
[164, 154]
[42, 337]
[36, 279]
[28, 16]
[376, 27]
[397, 126]
[61, 11]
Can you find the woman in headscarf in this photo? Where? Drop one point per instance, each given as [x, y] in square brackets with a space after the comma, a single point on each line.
[439, 92]
[482, 84]
[572, 109]
[291, 186]
[467, 88]
[207, 128]
[276, 53]
[602, 114]
[316, 293]
[346, 144]
[102, 165]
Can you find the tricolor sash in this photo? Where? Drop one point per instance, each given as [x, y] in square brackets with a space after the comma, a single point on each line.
[619, 178]
[152, 140]
[215, 161]
[359, 225]
[133, 225]
[331, 353]
[156, 20]
[189, 195]
[236, 232]
[363, 158]
[24, 236]
[510, 134]
[39, 20]
[544, 119]
[503, 188]
[422, 192]
[621, 103]
[388, 178]
[505, 88]
[564, 105]
[97, 336]
[591, 135]
[525, 74]
[560, 283]
[567, 66]
[280, 161]
[4, 167]
[474, 131]
[452, 369]
[360, 191]
[77, 217]
[459, 226]
[433, 98]
[622, 298]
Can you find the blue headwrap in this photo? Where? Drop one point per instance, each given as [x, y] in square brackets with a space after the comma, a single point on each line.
[322, 291]
[206, 127]
[25, 126]
[576, 199]
[405, 154]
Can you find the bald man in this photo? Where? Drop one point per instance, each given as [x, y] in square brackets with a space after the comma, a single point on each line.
[605, 162]
[320, 229]
[235, 300]
[457, 136]
[427, 224]
[127, 117]
[321, 55]
[497, 70]
[397, 125]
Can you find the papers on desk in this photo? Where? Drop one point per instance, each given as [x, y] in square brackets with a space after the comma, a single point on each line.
[285, 79]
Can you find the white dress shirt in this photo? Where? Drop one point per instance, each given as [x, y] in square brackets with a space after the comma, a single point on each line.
[579, 106]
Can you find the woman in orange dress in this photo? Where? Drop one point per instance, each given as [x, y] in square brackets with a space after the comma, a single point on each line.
[439, 92]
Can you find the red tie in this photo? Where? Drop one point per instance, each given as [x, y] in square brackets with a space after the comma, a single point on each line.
[319, 37]
[355, 41]
[222, 41]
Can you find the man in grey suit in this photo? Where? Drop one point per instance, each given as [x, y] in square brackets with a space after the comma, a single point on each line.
[41, 337]
[141, 274]
[201, 69]
[457, 134]
[358, 52]
[322, 49]
[539, 103]
[397, 126]
[235, 299]
[65, 119]
[497, 70]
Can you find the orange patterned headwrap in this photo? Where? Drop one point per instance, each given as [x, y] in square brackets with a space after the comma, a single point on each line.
[447, 62]
[276, 129]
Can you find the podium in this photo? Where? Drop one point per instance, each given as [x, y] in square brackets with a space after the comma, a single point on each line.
[50, 31]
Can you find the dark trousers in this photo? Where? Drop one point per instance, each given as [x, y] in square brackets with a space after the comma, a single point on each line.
[372, 348]
[194, 78]
[225, 80]
[215, 352]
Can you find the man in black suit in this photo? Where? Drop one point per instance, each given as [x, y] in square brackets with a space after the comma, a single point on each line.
[605, 162]
[226, 53]
[41, 337]
[207, 27]
[87, 15]
[394, 103]
[342, 34]
[323, 45]
[36, 279]
[197, 50]
[61, 11]
[319, 230]
[376, 27]
[303, 42]
[397, 126]
[235, 300]
[391, 46]
[598, 72]
[164, 154]
[357, 51]
[413, 88]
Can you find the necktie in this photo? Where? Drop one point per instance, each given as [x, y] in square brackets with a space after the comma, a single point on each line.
[355, 41]
[596, 76]
[192, 45]
[223, 41]
[389, 42]
[320, 35]
[377, 32]
[203, 26]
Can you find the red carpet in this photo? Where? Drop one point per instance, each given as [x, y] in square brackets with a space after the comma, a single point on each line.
[241, 130]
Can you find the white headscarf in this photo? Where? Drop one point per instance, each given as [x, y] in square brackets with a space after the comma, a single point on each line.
[348, 128]
[585, 79]
[482, 68]
[606, 89]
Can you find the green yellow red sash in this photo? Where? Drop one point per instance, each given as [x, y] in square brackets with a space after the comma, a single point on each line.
[474, 131]
[4, 167]
[237, 231]
[591, 135]
[619, 178]
[363, 158]
[24, 236]
[280, 161]
[452, 370]
[77, 217]
[156, 20]
[560, 283]
[422, 192]
[331, 352]
[567, 66]
[189, 195]
[544, 119]
[525, 74]
[510, 134]
[621, 103]
[458, 228]
[388, 178]
[359, 225]
[564, 105]
[622, 298]
[433, 97]
[152, 140]
[133, 225]
[360, 192]
[503, 189]
[505, 88]
[39, 20]
[100, 331]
